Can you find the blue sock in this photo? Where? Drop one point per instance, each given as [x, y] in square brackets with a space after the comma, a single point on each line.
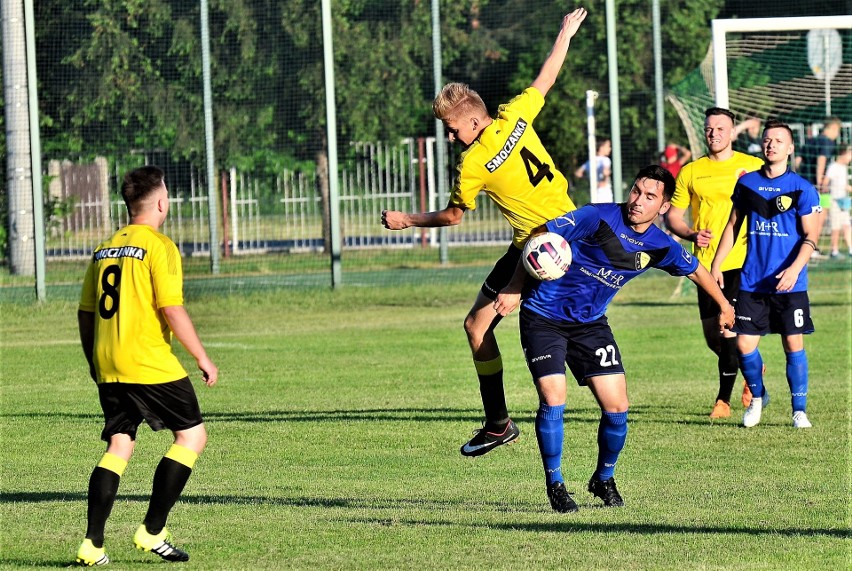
[612, 433]
[752, 367]
[549, 431]
[797, 378]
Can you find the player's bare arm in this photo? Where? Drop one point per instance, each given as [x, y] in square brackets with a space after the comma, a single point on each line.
[550, 69]
[396, 220]
[181, 325]
[702, 278]
[86, 324]
[726, 244]
[676, 222]
[787, 278]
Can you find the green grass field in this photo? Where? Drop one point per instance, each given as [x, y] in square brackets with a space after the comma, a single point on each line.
[334, 435]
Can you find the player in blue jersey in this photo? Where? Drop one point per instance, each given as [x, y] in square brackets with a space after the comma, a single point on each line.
[781, 212]
[563, 321]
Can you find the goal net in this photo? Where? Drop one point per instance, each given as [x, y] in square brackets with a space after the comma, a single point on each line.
[798, 70]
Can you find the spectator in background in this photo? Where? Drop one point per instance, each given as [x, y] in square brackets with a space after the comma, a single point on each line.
[749, 137]
[837, 174]
[674, 157]
[812, 163]
[603, 164]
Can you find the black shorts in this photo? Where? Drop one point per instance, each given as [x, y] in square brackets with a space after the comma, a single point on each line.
[708, 308]
[502, 272]
[167, 405]
[782, 313]
[589, 349]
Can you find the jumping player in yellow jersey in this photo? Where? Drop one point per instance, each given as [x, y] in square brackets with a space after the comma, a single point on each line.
[130, 305]
[504, 158]
[706, 185]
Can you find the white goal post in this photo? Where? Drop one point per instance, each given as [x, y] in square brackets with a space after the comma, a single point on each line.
[721, 28]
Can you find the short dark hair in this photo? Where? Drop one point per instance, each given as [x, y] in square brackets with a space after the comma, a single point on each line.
[139, 183]
[778, 124]
[656, 172]
[720, 111]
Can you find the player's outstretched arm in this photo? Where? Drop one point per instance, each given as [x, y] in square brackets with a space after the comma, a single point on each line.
[181, 325]
[396, 220]
[550, 69]
[86, 325]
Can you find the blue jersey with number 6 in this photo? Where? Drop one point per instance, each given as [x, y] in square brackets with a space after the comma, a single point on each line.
[772, 208]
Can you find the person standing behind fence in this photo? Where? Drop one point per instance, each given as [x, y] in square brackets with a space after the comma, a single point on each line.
[705, 186]
[837, 174]
[674, 157]
[130, 306]
[505, 158]
[779, 210]
[603, 165]
[812, 163]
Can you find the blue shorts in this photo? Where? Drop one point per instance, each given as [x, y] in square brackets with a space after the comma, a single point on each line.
[764, 313]
[167, 405]
[589, 349]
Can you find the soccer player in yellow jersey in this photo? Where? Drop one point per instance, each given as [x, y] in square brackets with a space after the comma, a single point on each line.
[504, 158]
[130, 305]
[705, 187]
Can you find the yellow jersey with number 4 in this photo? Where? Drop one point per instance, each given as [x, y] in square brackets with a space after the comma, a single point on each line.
[131, 276]
[706, 186]
[509, 163]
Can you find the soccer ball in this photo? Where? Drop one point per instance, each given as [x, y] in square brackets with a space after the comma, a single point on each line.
[547, 256]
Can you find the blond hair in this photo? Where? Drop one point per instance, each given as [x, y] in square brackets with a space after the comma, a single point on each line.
[458, 99]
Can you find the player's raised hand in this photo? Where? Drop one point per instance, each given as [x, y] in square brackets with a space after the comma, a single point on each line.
[571, 22]
[394, 220]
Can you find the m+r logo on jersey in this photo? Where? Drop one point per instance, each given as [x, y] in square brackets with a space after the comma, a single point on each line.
[566, 219]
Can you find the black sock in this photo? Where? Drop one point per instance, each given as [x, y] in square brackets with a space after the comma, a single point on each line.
[169, 480]
[728, 367]
[490, 375]
[103, 487]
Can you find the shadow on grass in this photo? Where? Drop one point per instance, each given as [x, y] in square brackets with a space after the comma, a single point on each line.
[581, 413]
[438, 506]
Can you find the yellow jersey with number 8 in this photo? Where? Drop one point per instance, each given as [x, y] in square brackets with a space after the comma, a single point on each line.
[131, 276]
[509, 163]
